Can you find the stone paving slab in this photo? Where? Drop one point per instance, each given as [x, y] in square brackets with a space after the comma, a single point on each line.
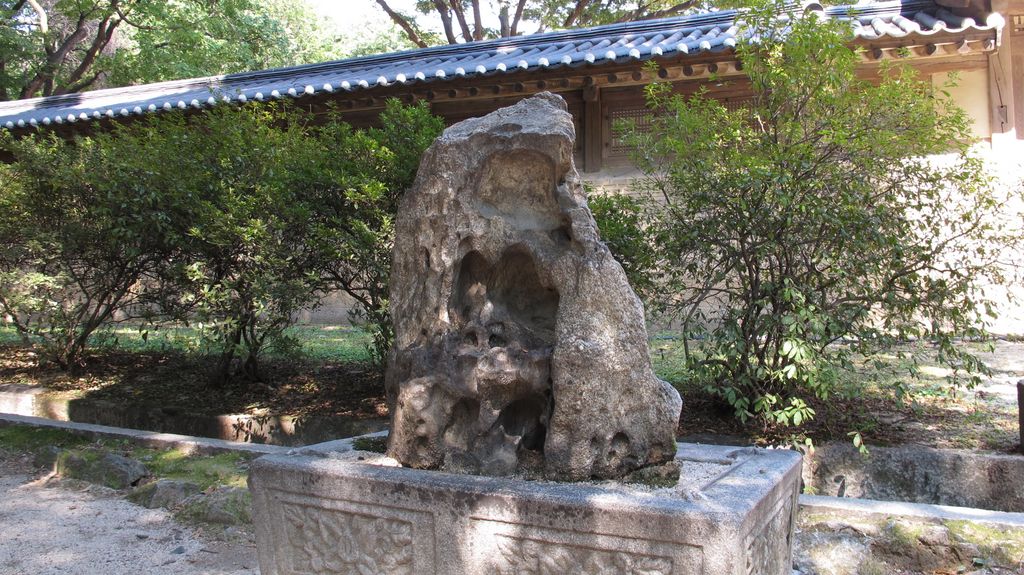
[146, 438]
[850, 506]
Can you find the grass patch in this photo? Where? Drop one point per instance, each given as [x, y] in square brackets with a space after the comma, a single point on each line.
[371, 444]
[332, 378]
[8, 335]
[25, 438]
[895, 398]
[228, 468]
[326, 343]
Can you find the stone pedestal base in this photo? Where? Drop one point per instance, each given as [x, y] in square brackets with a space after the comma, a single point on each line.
[732, 513]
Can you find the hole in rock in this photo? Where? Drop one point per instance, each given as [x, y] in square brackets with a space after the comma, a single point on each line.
[462, 422]
[523, 418]
[560, 236]
[509, 293]
[619, 446]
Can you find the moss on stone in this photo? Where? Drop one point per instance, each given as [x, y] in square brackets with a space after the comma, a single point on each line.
[1004, 545]
[371, 444]
[206, 471]
[903, 537]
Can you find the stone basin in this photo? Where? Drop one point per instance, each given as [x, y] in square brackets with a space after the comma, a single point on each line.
[323, 510]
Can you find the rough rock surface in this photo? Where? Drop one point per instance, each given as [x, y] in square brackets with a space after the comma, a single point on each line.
[918, 474]
[109, 469]
[520, 347]
[163, 493]
[222, 505]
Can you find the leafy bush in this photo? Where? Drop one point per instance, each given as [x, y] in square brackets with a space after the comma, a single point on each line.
[233, 219]
[359, 235]
[622, 221]
[78, 241]
[834, 215]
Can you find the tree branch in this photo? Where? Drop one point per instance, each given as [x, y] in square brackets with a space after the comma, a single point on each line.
[641, 12]
[446, 20]
[80, 85]
[478, 25]
[504, 30]
[124, 16]
[461, 17]
[404, 24]
[513, 29]
[55, 56]
[44, 26]
[577, 11]
[104, 33]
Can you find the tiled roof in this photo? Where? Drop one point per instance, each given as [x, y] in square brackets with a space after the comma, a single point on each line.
[598, 46]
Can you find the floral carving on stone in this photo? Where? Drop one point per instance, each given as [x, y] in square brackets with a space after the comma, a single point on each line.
[340, 542]
[518, 556]
[766, 552]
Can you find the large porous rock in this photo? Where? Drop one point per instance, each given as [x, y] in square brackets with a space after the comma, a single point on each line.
[519, 345]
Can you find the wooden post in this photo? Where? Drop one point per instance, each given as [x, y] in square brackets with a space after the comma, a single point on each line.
[1020, 413]
[593, 136]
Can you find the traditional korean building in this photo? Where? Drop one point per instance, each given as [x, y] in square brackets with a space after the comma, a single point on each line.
[601, 73]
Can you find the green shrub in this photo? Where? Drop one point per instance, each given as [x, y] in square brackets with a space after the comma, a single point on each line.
[232, 220]
[816, 222]
[622, 222]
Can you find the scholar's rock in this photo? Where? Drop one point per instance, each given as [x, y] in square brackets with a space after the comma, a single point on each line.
[519, 345]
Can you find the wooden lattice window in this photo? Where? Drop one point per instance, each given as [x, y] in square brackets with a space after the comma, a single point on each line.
[1017, 24]
[641, 118]
[738, 103]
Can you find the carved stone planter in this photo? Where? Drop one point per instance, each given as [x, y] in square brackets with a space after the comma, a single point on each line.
[732, 514]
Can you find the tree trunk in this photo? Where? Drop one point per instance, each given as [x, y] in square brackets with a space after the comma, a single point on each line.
[222, 374]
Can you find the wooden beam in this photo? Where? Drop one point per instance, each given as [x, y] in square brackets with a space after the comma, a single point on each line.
[593, 129]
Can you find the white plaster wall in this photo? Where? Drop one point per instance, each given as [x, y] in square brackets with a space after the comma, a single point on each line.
[970, 92]
[1008, 175]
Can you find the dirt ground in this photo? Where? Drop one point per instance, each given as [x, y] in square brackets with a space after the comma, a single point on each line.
[50, 526]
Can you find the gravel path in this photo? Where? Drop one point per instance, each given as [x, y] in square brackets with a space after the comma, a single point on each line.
[54, 527]
[1007, 363]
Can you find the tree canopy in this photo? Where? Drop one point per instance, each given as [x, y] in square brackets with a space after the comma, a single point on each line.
[54, 47]
[464, 21]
